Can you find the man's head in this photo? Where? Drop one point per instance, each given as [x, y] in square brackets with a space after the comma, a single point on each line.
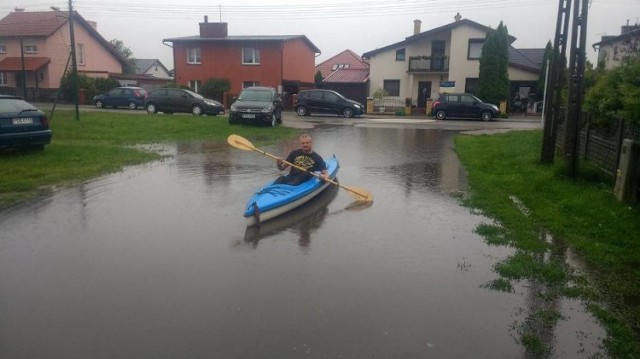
[306, 143]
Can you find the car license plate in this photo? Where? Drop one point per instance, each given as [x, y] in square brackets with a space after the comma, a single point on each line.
[248, 116]
[22, 121]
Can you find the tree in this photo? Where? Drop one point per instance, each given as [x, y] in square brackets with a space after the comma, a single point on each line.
[214, 88]
[493, 79]
[546, 61]
[127, 54]
[318, 79]
[617, 93]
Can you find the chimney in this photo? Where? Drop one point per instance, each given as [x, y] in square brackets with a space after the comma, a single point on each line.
[457, 17]
[416, 26]
[214, 30]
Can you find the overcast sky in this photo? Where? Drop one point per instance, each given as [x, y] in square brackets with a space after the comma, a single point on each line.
[332, 25]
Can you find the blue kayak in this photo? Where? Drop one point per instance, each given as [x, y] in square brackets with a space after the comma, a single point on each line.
[276, 199]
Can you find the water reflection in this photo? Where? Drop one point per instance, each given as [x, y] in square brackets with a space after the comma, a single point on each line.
[302, 220]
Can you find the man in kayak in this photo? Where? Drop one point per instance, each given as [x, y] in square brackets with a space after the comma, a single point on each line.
[303, 157]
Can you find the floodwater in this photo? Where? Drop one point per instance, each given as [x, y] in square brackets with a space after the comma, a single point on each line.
[156, 262]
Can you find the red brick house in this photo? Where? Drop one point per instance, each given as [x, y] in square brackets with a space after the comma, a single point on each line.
[347, 74]
[286, 62]
[42, 40]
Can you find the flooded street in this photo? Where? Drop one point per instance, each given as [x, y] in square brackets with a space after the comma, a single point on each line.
[156, 262]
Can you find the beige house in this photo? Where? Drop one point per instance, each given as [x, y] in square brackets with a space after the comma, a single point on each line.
[444, 59]
[35, 46]
[612, 50]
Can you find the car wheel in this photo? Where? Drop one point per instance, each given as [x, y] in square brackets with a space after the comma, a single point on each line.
[347, 112]
[133, 105]
[152, 109]
[274, 120]
[441, 115]
[486, 115]
[302, 111]
[196, 110]
[99, 104]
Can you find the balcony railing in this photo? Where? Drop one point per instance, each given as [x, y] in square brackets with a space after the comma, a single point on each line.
[428, 64]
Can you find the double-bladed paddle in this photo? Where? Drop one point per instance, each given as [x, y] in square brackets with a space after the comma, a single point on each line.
[242, 143]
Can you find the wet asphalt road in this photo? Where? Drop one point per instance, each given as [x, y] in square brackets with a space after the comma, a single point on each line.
[156, 261]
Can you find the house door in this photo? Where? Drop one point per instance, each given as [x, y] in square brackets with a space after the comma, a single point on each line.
[424, 92]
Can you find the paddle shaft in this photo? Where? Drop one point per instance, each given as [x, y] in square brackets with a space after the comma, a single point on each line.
[305, 170]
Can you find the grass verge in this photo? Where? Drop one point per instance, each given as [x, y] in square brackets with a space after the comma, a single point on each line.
[534, 202]
[102, 142]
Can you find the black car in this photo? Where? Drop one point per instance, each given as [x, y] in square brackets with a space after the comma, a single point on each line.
[326, 101]
[131, 97]
[463, 105]
[170, 100]
[22, 125]
[257, 105]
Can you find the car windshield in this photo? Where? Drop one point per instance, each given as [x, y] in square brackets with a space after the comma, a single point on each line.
[255, 95]
[196, 95]
[14, 105]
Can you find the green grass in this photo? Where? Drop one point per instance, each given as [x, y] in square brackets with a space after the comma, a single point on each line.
[102, 142]
[580, 213]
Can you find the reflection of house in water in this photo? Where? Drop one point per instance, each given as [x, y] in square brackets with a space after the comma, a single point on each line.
[423, 158]
[210, 159]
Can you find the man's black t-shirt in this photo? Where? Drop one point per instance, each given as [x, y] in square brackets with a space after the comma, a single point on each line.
[312, 162]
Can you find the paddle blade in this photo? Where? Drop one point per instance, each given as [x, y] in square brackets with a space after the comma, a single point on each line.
[240, 143]
[360, 194]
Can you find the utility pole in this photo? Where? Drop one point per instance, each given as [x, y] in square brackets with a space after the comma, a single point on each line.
[576, 86]
[74, 64]
[553, 96]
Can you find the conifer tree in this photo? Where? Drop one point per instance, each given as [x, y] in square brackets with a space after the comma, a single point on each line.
[493, 81]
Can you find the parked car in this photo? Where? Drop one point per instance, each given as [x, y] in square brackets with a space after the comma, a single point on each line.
[170, 100]
[131, 97]
[326, 101]
[257, 105]
[463, 105]
[22, 124]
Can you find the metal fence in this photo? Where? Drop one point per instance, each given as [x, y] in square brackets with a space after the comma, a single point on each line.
[601, 142]
[31, 94]
[388, 105]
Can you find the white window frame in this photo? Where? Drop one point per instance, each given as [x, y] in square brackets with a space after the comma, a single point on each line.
[255, 56]
[3, 48]
[3, 79]
[194, 55]
[246, 84]
[30, 49]
[194, 85]
[474, 51]
[80, 54]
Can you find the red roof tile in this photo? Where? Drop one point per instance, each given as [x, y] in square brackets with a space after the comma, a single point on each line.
[348, 76]
[37, 23]
[347, 58]
[30, 63]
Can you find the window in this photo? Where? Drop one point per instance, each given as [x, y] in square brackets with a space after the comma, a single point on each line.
[470, 85]
[392, 87]
[334, 67]
[400, 55]
[3, 49]
[246, 84]
[80, 54]
[316, 95]
[193, 55]
[250, 56]
[3, 79]
[330, 96]
[30, 49]
[475, 48]
[466, 99]
[195, 85]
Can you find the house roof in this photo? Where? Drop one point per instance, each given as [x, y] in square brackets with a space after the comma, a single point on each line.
[13, 64]
[347, 59]
[244, 39]
[143, 65]
[437, 30]
[348, 76]
[526, 59]
[45, 23]
[611, 39]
